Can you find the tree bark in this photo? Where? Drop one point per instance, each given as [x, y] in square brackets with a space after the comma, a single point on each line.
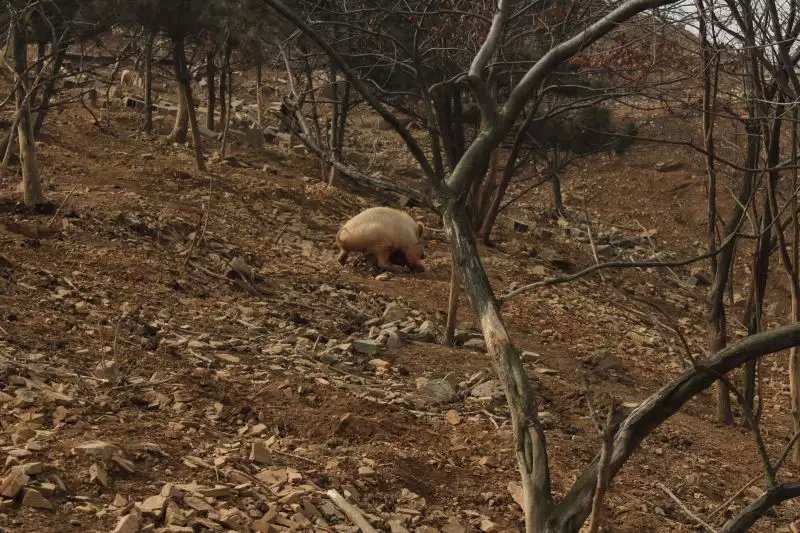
[228, 105]
[59, 53]
[148, 84]
[452, 305]
[570, 514]
[759, 271]
[508, 172]
[259, 99]
[223, 83]
[184, 83]
[530, 446]
[211, 90]
[31, 180]
[181, 128]
[555, 182]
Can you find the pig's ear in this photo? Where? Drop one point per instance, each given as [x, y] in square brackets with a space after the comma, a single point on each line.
[420, 229]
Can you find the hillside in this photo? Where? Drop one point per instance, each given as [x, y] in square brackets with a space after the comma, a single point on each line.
[188, 342]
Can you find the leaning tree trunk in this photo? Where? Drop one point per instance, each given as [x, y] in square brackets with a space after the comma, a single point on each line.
[499, 193]
[529, 436]
[31, 181]
[181, 128]
[184, 83]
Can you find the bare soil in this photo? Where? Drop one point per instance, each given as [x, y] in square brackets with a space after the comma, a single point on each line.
[218, 304]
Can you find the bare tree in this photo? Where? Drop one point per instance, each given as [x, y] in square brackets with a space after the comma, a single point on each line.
[542, 512]
[31, 180]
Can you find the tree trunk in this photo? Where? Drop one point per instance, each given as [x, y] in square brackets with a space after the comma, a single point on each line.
[223, 83]
[31, 181]
[555, 181]
[508, 172]
[148, 84]
[59, 53]
[184, 83]
[530, 446]
[716, 320]
[452, 305]
[759, 273]
[484, 191]
[259, 99]
[41, 52]
[755, 303]
[450, 120]
[228, 105]
[334, 123]
[794, 274]
[794, 371]
[181, 127]
[211, 90]
[339, 128]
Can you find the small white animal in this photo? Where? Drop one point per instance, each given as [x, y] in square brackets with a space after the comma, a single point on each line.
[382, 232]
[127, 77]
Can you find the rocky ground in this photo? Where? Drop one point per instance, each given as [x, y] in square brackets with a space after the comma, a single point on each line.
[181, 351]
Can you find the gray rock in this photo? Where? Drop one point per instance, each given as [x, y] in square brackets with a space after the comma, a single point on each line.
[441, 391]
[488, 389]
[395, 340]
[475, 343]
[462, 336]
[547, 419]
[366, 346]
[393, 312]
[668, 166]
[426, 332]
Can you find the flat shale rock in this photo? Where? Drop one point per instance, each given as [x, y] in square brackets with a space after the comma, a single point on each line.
[33, 498]
[13, 482]
[128, 524]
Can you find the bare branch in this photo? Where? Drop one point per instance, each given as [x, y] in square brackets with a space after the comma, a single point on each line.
[661, 405]
[750, 514]
[359, 85]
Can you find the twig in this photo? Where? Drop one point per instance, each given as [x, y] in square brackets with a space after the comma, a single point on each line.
[353, 513]
[738, 493]
[64, 201]
[607, 431]
[591, 238]
[280, 234]
[685, 509]
[201, 231]
[620, 264]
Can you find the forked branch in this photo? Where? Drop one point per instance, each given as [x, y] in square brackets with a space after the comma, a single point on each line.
[659, 407]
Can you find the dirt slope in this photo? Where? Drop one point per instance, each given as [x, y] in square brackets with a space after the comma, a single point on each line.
[179, 318]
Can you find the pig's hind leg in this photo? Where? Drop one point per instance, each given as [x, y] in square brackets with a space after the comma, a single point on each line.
[384, 260]
[343, 256]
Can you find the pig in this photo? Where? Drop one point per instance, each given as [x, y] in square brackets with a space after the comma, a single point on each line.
[383, 232]
[127, 77]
